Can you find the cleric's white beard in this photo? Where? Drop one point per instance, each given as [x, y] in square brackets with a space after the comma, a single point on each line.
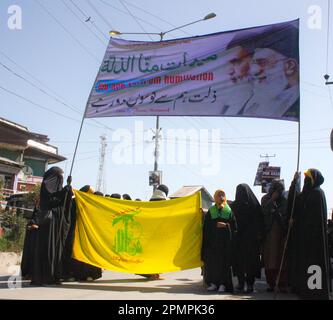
[276, 81]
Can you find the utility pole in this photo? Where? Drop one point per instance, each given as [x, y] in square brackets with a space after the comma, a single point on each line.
[157, 135]
[266, 156]
[101, 177]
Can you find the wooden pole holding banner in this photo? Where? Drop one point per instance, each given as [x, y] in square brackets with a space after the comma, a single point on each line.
[276, 288]
[69, 178]
[157, 146]
[157, 134]
[76, 145]
[290, 227]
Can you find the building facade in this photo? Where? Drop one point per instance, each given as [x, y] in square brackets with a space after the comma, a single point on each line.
[24, 157]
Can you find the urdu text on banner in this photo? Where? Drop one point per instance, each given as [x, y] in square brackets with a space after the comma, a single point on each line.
[252, 72]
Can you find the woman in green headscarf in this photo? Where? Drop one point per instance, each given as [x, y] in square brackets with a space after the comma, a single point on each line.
[218, 231]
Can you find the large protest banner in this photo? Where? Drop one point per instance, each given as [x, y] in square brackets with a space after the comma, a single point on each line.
[138, 236]
[251, 72]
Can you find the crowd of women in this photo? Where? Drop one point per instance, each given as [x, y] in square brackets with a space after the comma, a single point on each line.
[285, 235]
[47, 253]
[240, 238]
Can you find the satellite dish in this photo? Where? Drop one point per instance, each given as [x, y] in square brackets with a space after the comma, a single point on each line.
[331, 140]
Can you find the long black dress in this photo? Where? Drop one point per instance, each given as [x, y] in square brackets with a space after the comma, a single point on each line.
[71, 267]
[309, 244]
[216, 252]
[28, 249]
[48, 239]
[250, 229]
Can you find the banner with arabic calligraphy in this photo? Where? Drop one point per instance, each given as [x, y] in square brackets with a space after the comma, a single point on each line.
[138, 236]
[251, 72]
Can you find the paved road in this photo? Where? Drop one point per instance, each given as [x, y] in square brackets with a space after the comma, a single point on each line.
[183, 285]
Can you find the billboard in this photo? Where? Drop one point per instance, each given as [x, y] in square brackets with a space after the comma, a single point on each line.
[268, 175]
[251, 72]
[261, 167]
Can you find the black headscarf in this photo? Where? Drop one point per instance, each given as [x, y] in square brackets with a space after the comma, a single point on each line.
[313, 179]
[246, 207]
[126, 197]
[53, 179]
[244, 195]
[312, 239]
[85, 188]
[52, 183]
[276, 186]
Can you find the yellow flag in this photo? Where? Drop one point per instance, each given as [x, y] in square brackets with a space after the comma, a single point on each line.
[138, 236]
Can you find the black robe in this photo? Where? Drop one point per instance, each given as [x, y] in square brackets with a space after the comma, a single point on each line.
[250, 224]
[216, 252]
[44, 260]
[309, 244]
[28, 250]
[71, 267]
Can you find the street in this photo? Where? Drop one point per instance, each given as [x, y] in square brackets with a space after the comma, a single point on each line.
[182, 285]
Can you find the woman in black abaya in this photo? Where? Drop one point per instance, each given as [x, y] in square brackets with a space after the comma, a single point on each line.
[308, 247]
[250, 223]
[50, 228]
[72, 268]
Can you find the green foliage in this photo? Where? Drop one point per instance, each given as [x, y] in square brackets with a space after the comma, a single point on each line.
[33, 195]
[15, 227]
[4, 245]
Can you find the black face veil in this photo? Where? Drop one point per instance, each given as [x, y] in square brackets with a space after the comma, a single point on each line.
[53, 179]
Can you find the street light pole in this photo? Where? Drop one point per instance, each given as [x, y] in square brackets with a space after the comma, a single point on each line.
[157, 135]
[162, 34]
[326, 76]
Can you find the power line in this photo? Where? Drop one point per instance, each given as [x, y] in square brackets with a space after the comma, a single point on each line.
[29, 74]
[84, 152]
[100, 15]
[49, 95]
[38, 88]
[136, 20]
[85, 25]
[90, 20]
[209, 141]
[122, 11]
[279, 135]
[89, 158]
[37, 105]
[193, 172]
[68, 32]
[157, 17]
[313, 84]
[315, 94]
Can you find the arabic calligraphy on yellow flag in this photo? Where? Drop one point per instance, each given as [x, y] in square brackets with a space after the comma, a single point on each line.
[138, 236]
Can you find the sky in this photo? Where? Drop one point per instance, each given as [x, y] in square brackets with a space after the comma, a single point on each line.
[47, 69]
